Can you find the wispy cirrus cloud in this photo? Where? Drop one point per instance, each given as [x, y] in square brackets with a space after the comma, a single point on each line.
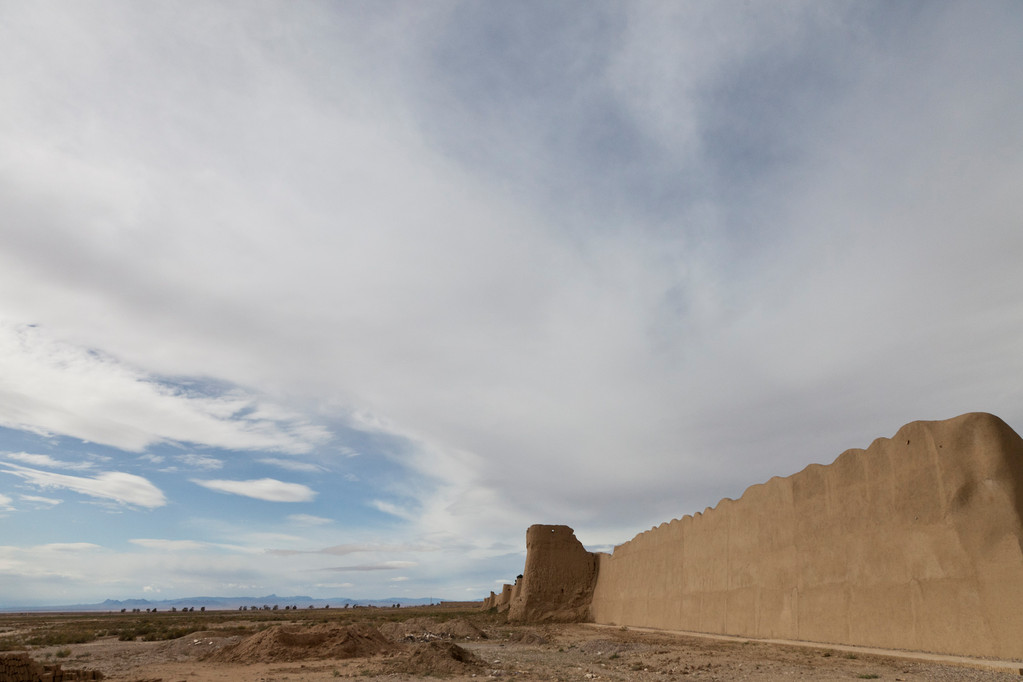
[46, 461]
[268, 489]
[166, 545]
[41, 502]
[344, 550]
[309, 520]
[392, 509]
[292, 464]
[169, 545]
[69, 547]
[383, 566]
[56, 387]
[117, 486]
[202, 462]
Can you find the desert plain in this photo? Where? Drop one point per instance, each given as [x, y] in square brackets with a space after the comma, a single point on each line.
[423, 643]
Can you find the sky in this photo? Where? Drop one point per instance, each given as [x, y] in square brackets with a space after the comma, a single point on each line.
[337, 299]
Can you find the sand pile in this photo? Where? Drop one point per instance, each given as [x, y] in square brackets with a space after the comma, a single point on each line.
[279, 643]
[428, 629]
[435, 658]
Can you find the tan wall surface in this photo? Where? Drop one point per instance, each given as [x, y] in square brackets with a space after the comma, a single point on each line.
[557, 584]
[913, 543]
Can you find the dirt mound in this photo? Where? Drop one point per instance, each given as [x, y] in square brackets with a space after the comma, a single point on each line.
[396, 632]
[201, 644]
[460, 628]
[279, 643]
[428, 629]
[435, 658]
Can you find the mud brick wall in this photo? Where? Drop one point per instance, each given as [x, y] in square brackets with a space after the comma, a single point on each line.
[914, 543]
[558, 582]
[20, 667]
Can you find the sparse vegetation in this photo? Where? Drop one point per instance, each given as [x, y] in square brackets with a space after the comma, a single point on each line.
[569, 652]
[11, 643]
[155, 632]
[75, 634]
[29, 630]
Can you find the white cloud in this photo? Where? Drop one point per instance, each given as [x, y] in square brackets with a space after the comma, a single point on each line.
[202, 462]
[35, 460]
[69, 547]
[46, 461]
[392, 509]
[169, 545]
[6, 503]
[268, 489]
[342, 550]
[383, 566]
[42, 502]
[292, 465]
[120, 487]
[55, 387]
[42, 574]
[309, 520]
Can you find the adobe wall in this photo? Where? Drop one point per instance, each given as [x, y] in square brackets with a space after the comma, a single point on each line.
[502, 602]
[914, 543]
[557, 583]
[20, 667]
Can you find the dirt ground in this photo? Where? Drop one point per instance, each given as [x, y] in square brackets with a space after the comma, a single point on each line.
[430, 645]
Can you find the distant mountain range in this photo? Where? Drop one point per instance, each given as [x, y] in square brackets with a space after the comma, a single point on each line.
[228, 603]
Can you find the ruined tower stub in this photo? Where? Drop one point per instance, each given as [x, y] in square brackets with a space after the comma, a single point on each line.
[558, 581]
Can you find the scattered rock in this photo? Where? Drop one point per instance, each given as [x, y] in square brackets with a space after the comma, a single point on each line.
[428, 629]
